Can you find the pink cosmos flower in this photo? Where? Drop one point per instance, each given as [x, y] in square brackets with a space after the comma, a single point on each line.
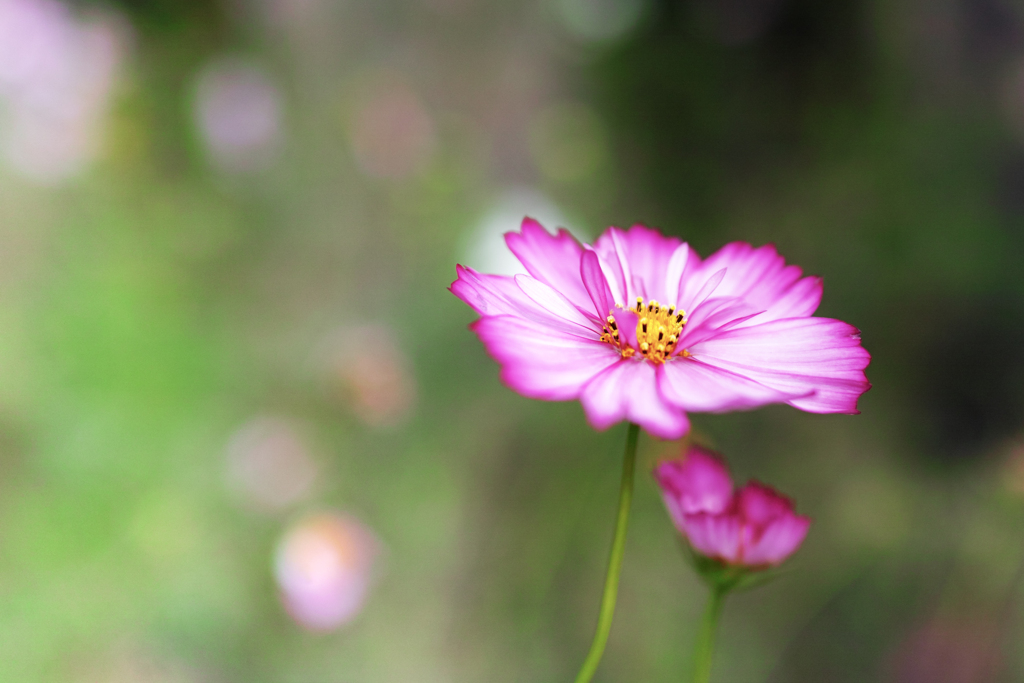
[753, 527]
[638, 327]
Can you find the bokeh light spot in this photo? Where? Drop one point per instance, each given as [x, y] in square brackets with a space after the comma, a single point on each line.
[486, 250]
[238, 111]
[368, 370]
[57, 73]
[601, 20]
[269, 466]
[324, 568]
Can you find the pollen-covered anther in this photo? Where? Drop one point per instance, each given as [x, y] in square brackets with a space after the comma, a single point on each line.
[610, 335]
[658, 330]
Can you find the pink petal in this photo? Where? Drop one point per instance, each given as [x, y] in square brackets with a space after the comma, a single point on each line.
[777, 541]
[640, 256]
[628, 390]
[758, 504]
[796, 356]
[597, 285]
[553, 302]
[712, 535]
[697, 387]
[715, 315]
[626, 319]
[762, 277]
[616, 258]
[798, 301]
[690, 301]
[489, 294]
[542, 363]
[500, 295]
[697, 482]
[552, 259]
[674, 273]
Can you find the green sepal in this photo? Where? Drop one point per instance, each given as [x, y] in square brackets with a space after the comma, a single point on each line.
[724, 577]
[759, 577]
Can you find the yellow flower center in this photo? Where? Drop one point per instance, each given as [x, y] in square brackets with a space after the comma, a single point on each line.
[657, 331]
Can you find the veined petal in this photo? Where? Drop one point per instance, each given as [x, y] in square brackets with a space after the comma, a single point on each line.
[674, 272]
[643, 257]
[716, 536]
[796, 356]
[492, 295]
[762, 277]
[552, 259]
[715, 315]
[777, 541]
[553, 302]
[800, 300]
[628, 390]
[696, 387]
[706, 289]
[620, 256]
[539, 362]
[596, 282]
[489, 294]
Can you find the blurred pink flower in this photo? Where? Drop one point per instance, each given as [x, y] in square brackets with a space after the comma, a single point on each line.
[58, 69]
[324, 568]
[238, 111]
[638, 327]
[753, 527]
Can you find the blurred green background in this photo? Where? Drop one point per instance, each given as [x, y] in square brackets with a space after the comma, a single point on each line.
[226, 232]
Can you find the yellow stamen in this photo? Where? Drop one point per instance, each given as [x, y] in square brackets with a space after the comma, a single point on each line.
[657, 331]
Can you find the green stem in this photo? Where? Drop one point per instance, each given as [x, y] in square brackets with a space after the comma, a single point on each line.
[611, 581]
[704, 650]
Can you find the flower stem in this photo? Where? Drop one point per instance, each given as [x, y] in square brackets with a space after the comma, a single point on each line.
[611, 581]
[703, 651]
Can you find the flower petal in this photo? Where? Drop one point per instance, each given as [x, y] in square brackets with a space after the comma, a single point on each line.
[488, 294]
[712, 316]
[674, 272]
[798, 301]
[641, 256]
[777, 541]
[500, 295]
[539, 362]
[695, 387]
[628, 390]
[552, 259]
[712, 535]
[759, 504]
[697, 482]
[552, 301]
[762, 277]
[627, 320]
[596, 282]
[796, 356]
[690, 302]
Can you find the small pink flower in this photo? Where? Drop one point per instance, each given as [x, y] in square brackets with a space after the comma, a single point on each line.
[640, 328]
[753, 527]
